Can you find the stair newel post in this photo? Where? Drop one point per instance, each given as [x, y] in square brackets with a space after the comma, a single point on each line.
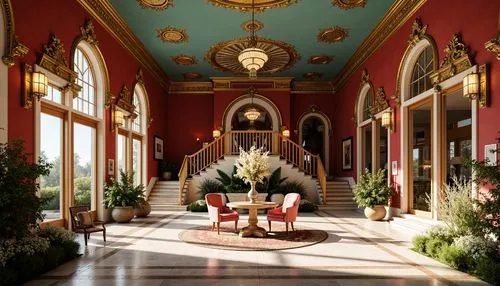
[301, 160]
[274, 149]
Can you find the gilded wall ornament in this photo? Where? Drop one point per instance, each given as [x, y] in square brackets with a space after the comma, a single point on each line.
[55, 50]
[313, 75]
[172, 35]
[493, 46]
[156, 4]
[13, 48]
[365, 77]
[349, 4]
[191, 75]
[125, 101]
[250, 25]
[456, 59]
[184, 60]
[139, 76]
[454, 50]
[333, 35]
[320, 59]
[418, 32]
[224, 56]
[246, 5]
[380, 103]
[88, 33]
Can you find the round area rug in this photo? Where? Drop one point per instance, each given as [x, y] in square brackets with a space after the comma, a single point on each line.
[275, 240]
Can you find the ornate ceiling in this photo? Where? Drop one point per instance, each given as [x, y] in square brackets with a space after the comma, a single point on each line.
[197, 39]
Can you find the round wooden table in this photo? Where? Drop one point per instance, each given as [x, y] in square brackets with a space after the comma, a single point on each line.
[252, 229]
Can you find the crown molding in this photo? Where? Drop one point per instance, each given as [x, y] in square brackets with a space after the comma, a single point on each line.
[109, 18]
[395, 17]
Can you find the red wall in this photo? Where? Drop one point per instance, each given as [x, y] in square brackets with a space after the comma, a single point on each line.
[64, 19]
[477, 21]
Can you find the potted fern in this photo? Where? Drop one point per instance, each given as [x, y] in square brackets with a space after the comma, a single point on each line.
[373, 193]
[122, 196]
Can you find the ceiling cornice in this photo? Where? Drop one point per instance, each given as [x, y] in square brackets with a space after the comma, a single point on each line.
[109, 18]
[395, 17]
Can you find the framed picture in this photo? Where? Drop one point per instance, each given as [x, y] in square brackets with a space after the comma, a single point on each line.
[490, 153]
[394, 170]
[111, 167]
[347, 154]
[158, 147]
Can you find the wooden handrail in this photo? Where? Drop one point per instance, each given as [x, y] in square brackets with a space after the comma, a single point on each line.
[231, 142]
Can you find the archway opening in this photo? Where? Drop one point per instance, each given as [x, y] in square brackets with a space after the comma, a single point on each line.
[240, 122]
[313, 136]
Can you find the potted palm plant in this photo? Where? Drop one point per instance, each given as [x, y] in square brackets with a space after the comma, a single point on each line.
[166, 169]
[122, 196]
[373, 193]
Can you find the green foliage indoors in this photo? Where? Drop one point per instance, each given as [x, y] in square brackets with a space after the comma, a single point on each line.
[372, 189]
[271, 184]
[198, 206]
[231, 183]
[122, 193]
[167, 166]
[292, 187]
[20, 207]
[209, 186]
[306, 207]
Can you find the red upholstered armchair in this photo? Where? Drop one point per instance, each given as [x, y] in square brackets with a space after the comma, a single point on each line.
[218, 213]
[287, 213]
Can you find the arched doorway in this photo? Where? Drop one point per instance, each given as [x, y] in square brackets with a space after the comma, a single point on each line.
[240, 122]
[314, 133]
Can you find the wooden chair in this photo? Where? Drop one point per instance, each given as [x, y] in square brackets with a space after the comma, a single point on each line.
[77, 227]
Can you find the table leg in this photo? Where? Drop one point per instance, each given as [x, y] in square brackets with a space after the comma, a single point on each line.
[252, 229]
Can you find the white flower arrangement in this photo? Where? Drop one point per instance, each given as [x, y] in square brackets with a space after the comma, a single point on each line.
[252, 166]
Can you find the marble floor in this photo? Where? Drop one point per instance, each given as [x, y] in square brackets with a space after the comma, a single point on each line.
[149, 252]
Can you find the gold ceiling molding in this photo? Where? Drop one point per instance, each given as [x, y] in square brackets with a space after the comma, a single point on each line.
[13, 48]
[394, 18]
[380, 103]
[333, 35]
[246, 5]
[172, 35]
[456, 60]
[88, 33]
[192, 75]
[109, 18]
[191, 87]
[245, 83]
[224, 56]
[320, 59]
[307, 87]
[156, 4]
[313, 75]
[184, 60]
[250, 25]
[349, 4]
[418, 33]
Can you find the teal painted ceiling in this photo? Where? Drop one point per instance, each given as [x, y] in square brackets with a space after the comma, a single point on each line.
[206, 25]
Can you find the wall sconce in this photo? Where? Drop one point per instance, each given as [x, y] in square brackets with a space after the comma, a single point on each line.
[36, 86]
[117, 118]
[388, 120]
[285, 133]
[471, 86]
[216, 133]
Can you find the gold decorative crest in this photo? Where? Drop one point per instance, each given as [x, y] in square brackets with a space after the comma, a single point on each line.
[125, 101]
[55, 50]
[456, 59]
[224, 55]
[320, 59]
[191, 75]
[172, 35]
[349, 4]
[313, 75]
[365, 77]
[88, 33]
[380, 103]
[418, 32]
[493, 46]
[333, 35]
[246, 5]
[139, 76]
[13, 48]
[156, 4]
[250, 25]
[184, 60]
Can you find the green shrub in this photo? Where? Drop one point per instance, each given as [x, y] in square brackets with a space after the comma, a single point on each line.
[434, 245]
[56, 235]
[292, 187]
[28, 266]
[231, 183]
[442, 232]
[123, 193]
[210, 186]
[71, 249]
[372, 189]
[306, 206]
[50, 197]
[489, 271]
[53, 257]
[419, 243]
[454, 256]
[271, 185]
[198, 206]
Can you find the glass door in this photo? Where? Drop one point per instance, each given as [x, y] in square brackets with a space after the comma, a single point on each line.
[84, 165]
[366, 149]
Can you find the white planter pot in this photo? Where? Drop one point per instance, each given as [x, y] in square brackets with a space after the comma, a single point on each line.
[123, 214]
[167, 176]
[376, 213]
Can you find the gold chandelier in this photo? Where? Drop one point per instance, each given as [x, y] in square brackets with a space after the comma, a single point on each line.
[252, 113]
[253, 58]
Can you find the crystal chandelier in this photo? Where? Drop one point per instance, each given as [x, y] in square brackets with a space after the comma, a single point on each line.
[253, 58]
[252, 113]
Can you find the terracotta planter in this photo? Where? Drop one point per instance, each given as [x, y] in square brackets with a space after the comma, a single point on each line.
[376, 213]
[142, 209]
[123, 214]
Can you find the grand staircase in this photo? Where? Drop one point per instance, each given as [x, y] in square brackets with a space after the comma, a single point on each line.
[165, 196]
[339, 196]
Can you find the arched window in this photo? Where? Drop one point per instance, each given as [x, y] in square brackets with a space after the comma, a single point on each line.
[137, 124]
[367, 104]
[86, 100]
[424, 66]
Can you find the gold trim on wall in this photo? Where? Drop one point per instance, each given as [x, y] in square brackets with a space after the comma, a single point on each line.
[456, 60]
[380, 103]
[191, 87]
[88, 33]
[13, 48]
[109, 18]
[312, 87]
[395, 17]
[365, 79]
[139, 80]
